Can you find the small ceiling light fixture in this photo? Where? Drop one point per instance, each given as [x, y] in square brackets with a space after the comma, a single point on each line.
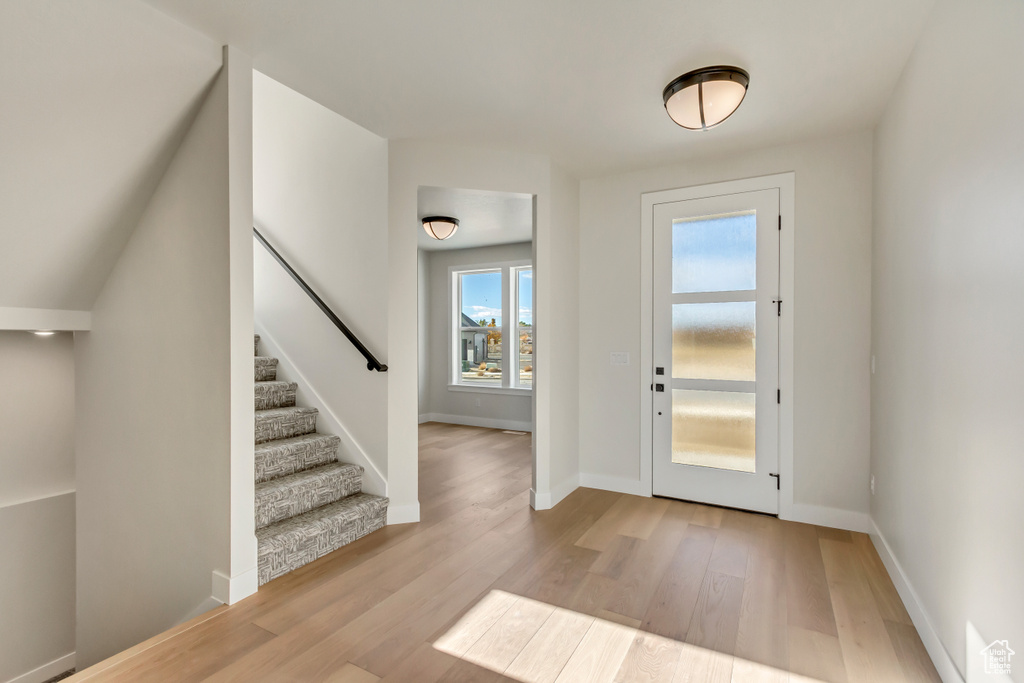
[43, 333]
[440, 227]
[703, 98]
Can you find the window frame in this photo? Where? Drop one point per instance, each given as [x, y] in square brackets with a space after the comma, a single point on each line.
[509, 311]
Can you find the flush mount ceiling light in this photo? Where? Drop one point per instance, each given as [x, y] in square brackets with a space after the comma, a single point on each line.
[43, 333]
[702, 99]
[440, 227]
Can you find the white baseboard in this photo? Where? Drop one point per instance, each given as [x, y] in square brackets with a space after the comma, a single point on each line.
[633, 487]
[47, 671]
[560, 491]
[977, 669]
[545, 500]
[202, 608]
[403, 514]
[468, 421]
[829, 517]
[229, 590]
[929, 636]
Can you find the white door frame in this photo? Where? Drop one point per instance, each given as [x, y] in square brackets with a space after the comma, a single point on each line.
[785, 183]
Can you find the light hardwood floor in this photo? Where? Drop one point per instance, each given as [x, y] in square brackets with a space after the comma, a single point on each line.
[605, 587]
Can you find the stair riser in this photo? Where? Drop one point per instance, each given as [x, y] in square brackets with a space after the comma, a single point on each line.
[274, 397]
[285, 459]
[265, 369]
[276, 504]
[282, 555]
[269, 428]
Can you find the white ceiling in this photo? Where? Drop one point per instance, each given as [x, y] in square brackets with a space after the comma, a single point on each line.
[579, 80]
[485, 218]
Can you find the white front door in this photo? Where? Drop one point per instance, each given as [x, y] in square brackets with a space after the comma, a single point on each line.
[716, 350]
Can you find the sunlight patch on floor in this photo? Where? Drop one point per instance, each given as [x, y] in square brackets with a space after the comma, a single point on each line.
[534, 642]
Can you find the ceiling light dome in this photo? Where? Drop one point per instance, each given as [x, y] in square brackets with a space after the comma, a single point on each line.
[702, 99]
[440, 227]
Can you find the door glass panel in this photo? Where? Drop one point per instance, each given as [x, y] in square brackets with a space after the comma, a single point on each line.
[713, 341]
[713, 429]
[714, 253]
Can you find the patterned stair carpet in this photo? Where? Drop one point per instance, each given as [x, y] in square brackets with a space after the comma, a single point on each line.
[307, 503]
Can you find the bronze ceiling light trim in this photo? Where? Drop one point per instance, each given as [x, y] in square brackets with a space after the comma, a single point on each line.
[703, 98]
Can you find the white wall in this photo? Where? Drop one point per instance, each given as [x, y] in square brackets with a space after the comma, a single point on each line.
[832, 313]
[154, 414]
[946, 412]
[560, 286]
[37, 416]
[416, 163]
[241, 579]
[37, 502]
[96, 99]
[505, 410]
[320, 197]
[422, 326]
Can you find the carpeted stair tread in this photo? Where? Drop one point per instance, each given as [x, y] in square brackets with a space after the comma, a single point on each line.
[307, 503]
[282, 423]
[299, 493]
[281, 457]
[294, 542]
[266, 368]
[275, 394]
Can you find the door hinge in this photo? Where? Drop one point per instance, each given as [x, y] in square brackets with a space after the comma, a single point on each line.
[778, 481]
[780, 221]
[778, 396]
[778, 306]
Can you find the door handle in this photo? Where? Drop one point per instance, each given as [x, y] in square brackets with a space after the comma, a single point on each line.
[659, 387]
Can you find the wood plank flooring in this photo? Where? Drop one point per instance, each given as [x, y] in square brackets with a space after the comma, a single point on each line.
[605, 587]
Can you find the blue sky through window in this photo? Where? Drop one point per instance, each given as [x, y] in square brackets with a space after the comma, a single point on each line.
[481, 297]
[526, 297]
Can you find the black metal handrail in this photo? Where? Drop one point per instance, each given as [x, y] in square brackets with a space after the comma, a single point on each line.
[371, 362]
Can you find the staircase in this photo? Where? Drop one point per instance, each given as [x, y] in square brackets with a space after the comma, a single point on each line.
[307, 503]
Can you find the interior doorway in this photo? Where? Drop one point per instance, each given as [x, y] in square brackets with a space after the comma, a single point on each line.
[475, 332]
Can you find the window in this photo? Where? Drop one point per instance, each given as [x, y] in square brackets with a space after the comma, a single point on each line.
[523, 303]
[492, 330]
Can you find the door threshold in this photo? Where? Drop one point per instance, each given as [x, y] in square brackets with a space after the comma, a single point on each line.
[723, 507]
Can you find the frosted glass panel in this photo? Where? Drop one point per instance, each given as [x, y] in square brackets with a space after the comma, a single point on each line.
[714, 253]
[713, 429]
[713, 341]
[721, 98]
